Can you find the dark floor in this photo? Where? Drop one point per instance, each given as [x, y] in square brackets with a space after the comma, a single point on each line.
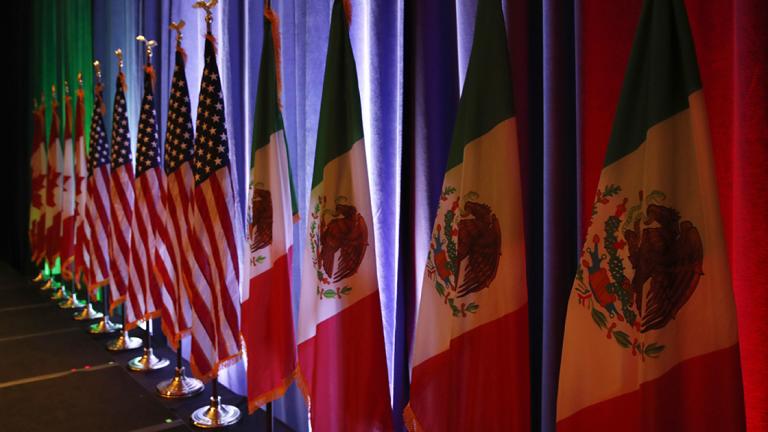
[54, 376]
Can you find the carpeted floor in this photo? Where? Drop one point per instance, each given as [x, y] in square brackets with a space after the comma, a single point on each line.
[54, 376]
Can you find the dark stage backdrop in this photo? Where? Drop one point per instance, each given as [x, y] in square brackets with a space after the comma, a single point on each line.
[568, 60]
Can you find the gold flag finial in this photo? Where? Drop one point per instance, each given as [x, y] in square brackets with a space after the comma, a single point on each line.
[97, 68]
[119, 54]
[207, 6]
[80, 79]
[53, 91]
[66, 88]
[178, 26]
[149, 44]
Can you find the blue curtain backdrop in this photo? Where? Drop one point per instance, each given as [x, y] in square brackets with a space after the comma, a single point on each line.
[411, 60]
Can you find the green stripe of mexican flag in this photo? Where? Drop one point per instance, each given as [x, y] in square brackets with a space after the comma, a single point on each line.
[651, 313]
[470, 360]
[342, 360]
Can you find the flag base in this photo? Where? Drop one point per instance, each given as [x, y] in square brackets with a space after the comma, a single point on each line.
[104, 326]
[88, 313]
[60, 294]
[72, 302]
[124, 342]
[39, 277]
[215, 415]
[180, 386]
[147, 362]
[47, 286]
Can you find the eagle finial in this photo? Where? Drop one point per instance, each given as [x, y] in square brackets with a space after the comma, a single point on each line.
[119, 54]
[178, 26]
[207, 6]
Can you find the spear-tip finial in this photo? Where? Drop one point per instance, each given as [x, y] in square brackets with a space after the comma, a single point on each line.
[207, 6]
[149, 44]
[53, 91]
[80, 79]
[66, 88]
[97, 68]
[178, 26]
[119, 54]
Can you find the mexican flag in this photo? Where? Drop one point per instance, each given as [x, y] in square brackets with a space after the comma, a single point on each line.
[267, 314]
[53, 189]
[342, 361]
[650, 335]
[469, 366]
[38, 168]
[67, 245]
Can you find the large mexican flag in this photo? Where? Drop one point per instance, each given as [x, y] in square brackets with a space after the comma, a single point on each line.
[650, 336]
[267, 314]
[470, 357]
[342, 363]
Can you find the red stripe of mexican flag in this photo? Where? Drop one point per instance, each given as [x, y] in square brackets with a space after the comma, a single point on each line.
[470, 364]
[267, 314]
[650, 336]
[342, 363]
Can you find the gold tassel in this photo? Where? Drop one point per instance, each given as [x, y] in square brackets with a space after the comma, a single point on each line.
[274, 20]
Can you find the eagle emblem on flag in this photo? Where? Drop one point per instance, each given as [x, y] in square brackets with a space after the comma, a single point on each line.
[465, 250]
[260, 231]
[338, 242]
[641, 271]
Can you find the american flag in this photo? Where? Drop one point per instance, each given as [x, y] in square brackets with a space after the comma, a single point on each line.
[146, 298]
[121, 198]
[97, 206]
[82, 230]
[216, 227]
[179, 148]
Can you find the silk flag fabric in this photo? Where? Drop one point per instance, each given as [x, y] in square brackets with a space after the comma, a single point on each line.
[53, 189]
[67, 244]
[470, 359]
[650, 337]
[38, 167]
[82, 229]
[97, 206]
[216, 229]
[121, 197]
[144, 297]
[267, 314]
[342, 364]
[179, 184]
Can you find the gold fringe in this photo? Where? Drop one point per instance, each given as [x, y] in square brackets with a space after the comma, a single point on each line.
[115, 303]
[347, 12]
[274, 19]
[409, 418]
[212, 38]
[121, 77]
[181, 51]
[149, 70]
[301, 383]
[269, 396]
[93, 287]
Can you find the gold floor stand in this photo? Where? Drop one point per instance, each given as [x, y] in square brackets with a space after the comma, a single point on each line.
[124, 342]
[147, 362]
[104, 326]
[72, 303]
[180, 386]
[47, 286]
[215, 415]
[88, 313]
[59, 294]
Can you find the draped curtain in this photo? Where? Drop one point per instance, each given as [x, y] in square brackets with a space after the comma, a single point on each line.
[568, 60]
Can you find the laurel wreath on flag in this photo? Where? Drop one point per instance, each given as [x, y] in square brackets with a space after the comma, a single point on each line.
[442, 265]
[314, 248]
[611, 245]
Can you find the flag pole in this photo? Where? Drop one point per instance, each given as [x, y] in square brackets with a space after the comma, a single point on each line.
[180, 386]
[60, 292]
[216, 414]
[147, 361]
[104, 326]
